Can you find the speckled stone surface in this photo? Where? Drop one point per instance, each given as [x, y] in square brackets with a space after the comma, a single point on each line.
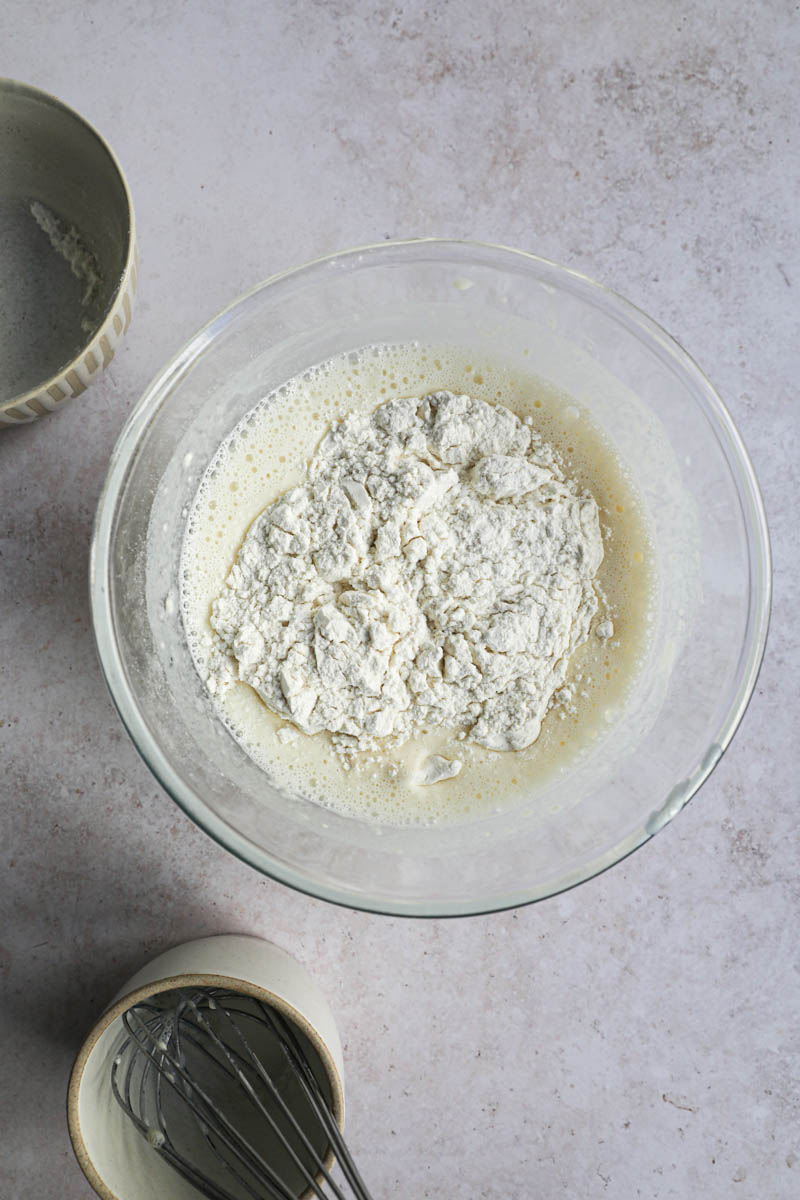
[637, 1037]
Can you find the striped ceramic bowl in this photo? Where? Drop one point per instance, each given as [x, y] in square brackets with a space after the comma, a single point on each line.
[68, 259]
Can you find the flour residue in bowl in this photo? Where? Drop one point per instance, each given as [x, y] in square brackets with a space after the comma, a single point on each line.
[53, 293]
[437, 601]
[70, 245]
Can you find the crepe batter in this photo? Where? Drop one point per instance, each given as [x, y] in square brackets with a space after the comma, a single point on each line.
[452, 626]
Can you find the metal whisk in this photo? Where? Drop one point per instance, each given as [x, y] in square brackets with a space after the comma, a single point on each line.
[224, 1089]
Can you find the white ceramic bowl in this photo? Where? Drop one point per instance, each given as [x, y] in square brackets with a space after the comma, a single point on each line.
[116, 1159]
[68, 260]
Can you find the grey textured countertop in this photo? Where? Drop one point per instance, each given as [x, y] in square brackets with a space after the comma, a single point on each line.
[637, 1037]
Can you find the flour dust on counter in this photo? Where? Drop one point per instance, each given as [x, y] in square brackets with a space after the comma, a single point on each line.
[417, 585]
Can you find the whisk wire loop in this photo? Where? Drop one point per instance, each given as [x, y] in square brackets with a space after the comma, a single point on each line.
[202, 1032]
[237, 1064]
[212, 1123]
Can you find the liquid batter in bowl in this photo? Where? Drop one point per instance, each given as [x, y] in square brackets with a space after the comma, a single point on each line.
[390, 781]
[633, 753]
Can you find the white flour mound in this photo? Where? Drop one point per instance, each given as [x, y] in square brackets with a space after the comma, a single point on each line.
[434, 570]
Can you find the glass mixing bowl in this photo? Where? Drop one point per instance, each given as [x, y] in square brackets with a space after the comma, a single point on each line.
[677, 439]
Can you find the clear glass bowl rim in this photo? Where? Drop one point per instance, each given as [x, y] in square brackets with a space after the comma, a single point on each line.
[145, 411]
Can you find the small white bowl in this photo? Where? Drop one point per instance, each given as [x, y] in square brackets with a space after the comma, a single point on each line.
[115, 1158]
[68, 260]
